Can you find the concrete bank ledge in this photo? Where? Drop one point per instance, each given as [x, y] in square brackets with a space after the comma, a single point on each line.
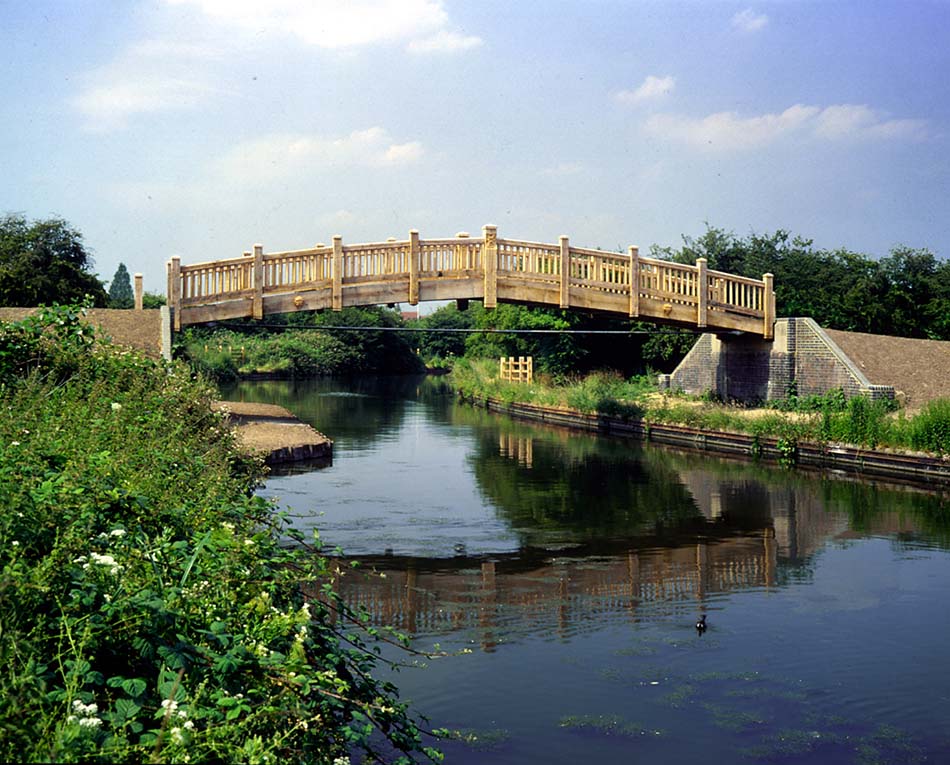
[916, 468]
[271, 430]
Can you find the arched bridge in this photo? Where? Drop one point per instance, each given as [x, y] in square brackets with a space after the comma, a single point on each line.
[486, 268]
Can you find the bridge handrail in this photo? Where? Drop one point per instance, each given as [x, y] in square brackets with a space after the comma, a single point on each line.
[319, 250]
[554, 272]
[734, 278]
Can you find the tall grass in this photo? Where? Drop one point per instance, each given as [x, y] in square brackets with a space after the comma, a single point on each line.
[859, 421]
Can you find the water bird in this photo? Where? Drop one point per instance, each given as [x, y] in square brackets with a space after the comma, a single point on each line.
[701, 624]
[459, 548]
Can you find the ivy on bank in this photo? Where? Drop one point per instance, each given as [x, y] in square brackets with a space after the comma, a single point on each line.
[149, 611]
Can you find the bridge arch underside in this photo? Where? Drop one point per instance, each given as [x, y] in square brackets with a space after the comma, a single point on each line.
[664, 310]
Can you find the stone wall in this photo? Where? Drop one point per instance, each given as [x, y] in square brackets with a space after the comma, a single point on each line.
[802, 359]
[144, 330]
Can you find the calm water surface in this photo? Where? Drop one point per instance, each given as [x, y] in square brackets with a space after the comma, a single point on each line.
[565, 573]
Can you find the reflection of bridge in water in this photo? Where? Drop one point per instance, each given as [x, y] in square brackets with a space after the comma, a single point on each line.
[751, 532]
[555, 593]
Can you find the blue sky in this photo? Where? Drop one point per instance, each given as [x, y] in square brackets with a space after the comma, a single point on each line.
[199, 127]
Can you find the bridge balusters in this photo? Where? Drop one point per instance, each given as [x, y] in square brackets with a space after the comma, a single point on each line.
[558, 266]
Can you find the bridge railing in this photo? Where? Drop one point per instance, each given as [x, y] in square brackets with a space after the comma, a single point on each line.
[558, 274]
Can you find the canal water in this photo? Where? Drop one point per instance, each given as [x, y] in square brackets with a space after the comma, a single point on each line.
[563, 575]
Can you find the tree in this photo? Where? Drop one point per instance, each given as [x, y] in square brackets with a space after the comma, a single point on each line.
[152, 300]
[444, 344]
[44, 262]
[120, 291]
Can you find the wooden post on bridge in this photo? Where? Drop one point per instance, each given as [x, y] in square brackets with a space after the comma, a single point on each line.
[768, 307]
[462, 255]
[336, 299]
[702, 292]
[414, 257]
[257, 309]
[174, 290]
[565, 271]
[634, 252]
[490, 264]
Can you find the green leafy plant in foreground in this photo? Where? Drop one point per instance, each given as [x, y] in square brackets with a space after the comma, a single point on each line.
[148, 608]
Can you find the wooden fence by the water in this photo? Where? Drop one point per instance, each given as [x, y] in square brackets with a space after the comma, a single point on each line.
[486, 268]
[519, 370]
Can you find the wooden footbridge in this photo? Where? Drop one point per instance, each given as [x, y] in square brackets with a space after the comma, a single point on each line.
[486, 268]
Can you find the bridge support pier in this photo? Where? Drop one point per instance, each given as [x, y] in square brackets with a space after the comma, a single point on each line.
[800, 359]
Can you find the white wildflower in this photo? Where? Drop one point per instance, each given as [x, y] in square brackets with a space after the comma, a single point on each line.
[85, 715]
[85, 709]
[100, 560]
[117, 533]
[177, 738]
[170, 705]
[14, 443]
[15, 543]
[116, 406]
[189, 725]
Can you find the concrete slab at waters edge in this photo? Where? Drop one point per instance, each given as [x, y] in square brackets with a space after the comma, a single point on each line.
[273, 431]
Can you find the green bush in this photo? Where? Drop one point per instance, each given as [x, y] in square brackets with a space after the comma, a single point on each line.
[930, 429]
[149, 611]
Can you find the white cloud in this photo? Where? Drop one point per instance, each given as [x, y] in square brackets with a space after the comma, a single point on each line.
[277, 157]
[563, 170]
[330, 23]
[749, 21]
[151, 76]
[272, 167]
[444, 41]
[728, 131]
[181, 66]
[846, 120]
[110, 105]
[650, 89]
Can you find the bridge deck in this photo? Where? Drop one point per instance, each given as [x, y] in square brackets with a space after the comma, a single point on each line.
[485, 268]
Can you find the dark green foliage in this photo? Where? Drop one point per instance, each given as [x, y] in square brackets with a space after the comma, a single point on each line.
[378, 352]
[444, 345]
[554, 353]
[665, 347]
[149, 610]
[44, 262]
[120, 290]
[906, 293]
[557, 354]
[298, 349]
[152, 300]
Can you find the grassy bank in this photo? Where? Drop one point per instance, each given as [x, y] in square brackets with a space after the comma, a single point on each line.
[148, 611]
[829, 419]
[295, 346]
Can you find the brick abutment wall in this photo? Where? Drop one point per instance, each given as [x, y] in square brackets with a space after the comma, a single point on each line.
[147, 330]
[802, 359]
